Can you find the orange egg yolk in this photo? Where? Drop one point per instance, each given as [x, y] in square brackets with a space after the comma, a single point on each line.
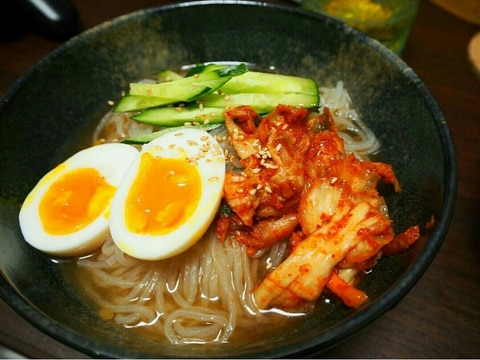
[163, 196]
[74, 200]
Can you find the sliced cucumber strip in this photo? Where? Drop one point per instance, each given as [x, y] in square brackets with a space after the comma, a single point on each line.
[176, 116]
[191, 87]
[268, 83]
[262, 103]
[203, 95]
[139, 102]
[171, 90]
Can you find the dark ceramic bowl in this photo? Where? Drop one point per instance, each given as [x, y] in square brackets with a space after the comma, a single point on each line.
[50, 113]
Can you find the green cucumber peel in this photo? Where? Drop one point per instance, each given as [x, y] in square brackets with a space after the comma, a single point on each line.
[191, 87]
[168, 75]
[173, 90]
[268, 83]
[221, 70]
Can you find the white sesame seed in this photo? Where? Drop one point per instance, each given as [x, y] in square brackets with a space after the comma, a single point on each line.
[270, 165]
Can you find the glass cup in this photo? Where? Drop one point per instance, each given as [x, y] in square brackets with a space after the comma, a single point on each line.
[388, 21]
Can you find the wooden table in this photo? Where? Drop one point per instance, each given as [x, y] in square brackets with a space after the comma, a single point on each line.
[440, 317]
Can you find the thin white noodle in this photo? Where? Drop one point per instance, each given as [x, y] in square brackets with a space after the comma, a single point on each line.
[150, 284]
[223, 269]
[208, 279]
[348, 122]
[132, 314]
[124, 260]
[190, 281]
[107, 249]
[135, 292]
[177, 334]
[104, 279]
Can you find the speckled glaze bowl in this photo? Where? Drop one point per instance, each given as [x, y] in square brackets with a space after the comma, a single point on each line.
[50, 113]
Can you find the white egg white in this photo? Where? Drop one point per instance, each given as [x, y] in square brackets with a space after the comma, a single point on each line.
[111, 161]
[185, 143]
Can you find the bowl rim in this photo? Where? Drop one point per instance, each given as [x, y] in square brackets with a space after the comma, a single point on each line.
[387, 301]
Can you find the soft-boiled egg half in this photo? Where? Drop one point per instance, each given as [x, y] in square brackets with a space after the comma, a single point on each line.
[67, 212]
[169, 196]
